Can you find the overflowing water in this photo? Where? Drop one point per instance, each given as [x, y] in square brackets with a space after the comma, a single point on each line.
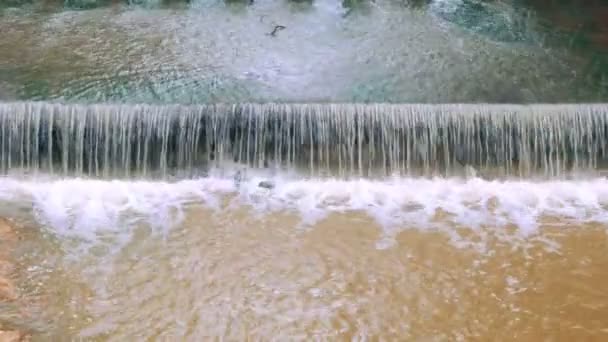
[271, 219]
[317, 140]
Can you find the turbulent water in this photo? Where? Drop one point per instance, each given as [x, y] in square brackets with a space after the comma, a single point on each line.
[409, 258]
[318, 140]
[157, 193]
[257, 238]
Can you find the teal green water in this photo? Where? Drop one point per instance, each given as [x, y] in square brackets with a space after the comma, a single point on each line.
[206, 51]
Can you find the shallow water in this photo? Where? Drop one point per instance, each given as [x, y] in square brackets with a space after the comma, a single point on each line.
[420, 259]
[448, 51]
[284, 255]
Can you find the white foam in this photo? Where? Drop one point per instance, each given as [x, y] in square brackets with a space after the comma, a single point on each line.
[86, 208]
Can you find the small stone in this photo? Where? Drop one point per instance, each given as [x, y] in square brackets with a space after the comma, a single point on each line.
[238, 177]
[266, 184]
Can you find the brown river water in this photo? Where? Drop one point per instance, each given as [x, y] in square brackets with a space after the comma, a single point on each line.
[310, 260]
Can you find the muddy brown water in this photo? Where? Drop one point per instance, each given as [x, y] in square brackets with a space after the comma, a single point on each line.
[227, 269]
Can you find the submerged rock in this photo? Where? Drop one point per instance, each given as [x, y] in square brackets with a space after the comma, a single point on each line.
[587, 23]
[266, 184]
[85, 4]
[494, 20]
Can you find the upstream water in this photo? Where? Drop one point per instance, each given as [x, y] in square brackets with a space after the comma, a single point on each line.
[450, 51]
[152, 199]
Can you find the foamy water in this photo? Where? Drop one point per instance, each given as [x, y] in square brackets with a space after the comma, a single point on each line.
[85, 209]
[301, 258]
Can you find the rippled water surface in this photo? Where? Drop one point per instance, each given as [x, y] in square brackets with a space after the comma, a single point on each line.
[414, 259]
[446, 51]
[313, 255]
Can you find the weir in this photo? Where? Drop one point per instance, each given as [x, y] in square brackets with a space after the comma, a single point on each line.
[342, 140]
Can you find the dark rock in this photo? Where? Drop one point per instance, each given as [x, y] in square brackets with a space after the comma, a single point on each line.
[586, 19]
[266, 184]
[85, 4]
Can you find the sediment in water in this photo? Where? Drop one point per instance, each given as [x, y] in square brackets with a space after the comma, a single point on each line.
[7, 239]
[8, 291]
[127, 141]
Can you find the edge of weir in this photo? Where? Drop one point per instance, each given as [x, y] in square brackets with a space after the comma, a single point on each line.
[488, 105]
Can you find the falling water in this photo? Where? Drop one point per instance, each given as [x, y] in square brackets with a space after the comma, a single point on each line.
[342, 140]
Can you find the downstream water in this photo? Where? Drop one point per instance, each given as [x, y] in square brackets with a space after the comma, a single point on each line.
[407, 259]
[178, 172]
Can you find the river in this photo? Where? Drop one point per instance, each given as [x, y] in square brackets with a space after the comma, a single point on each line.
[300, 171]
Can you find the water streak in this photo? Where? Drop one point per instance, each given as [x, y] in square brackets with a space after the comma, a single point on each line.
[344, 140]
